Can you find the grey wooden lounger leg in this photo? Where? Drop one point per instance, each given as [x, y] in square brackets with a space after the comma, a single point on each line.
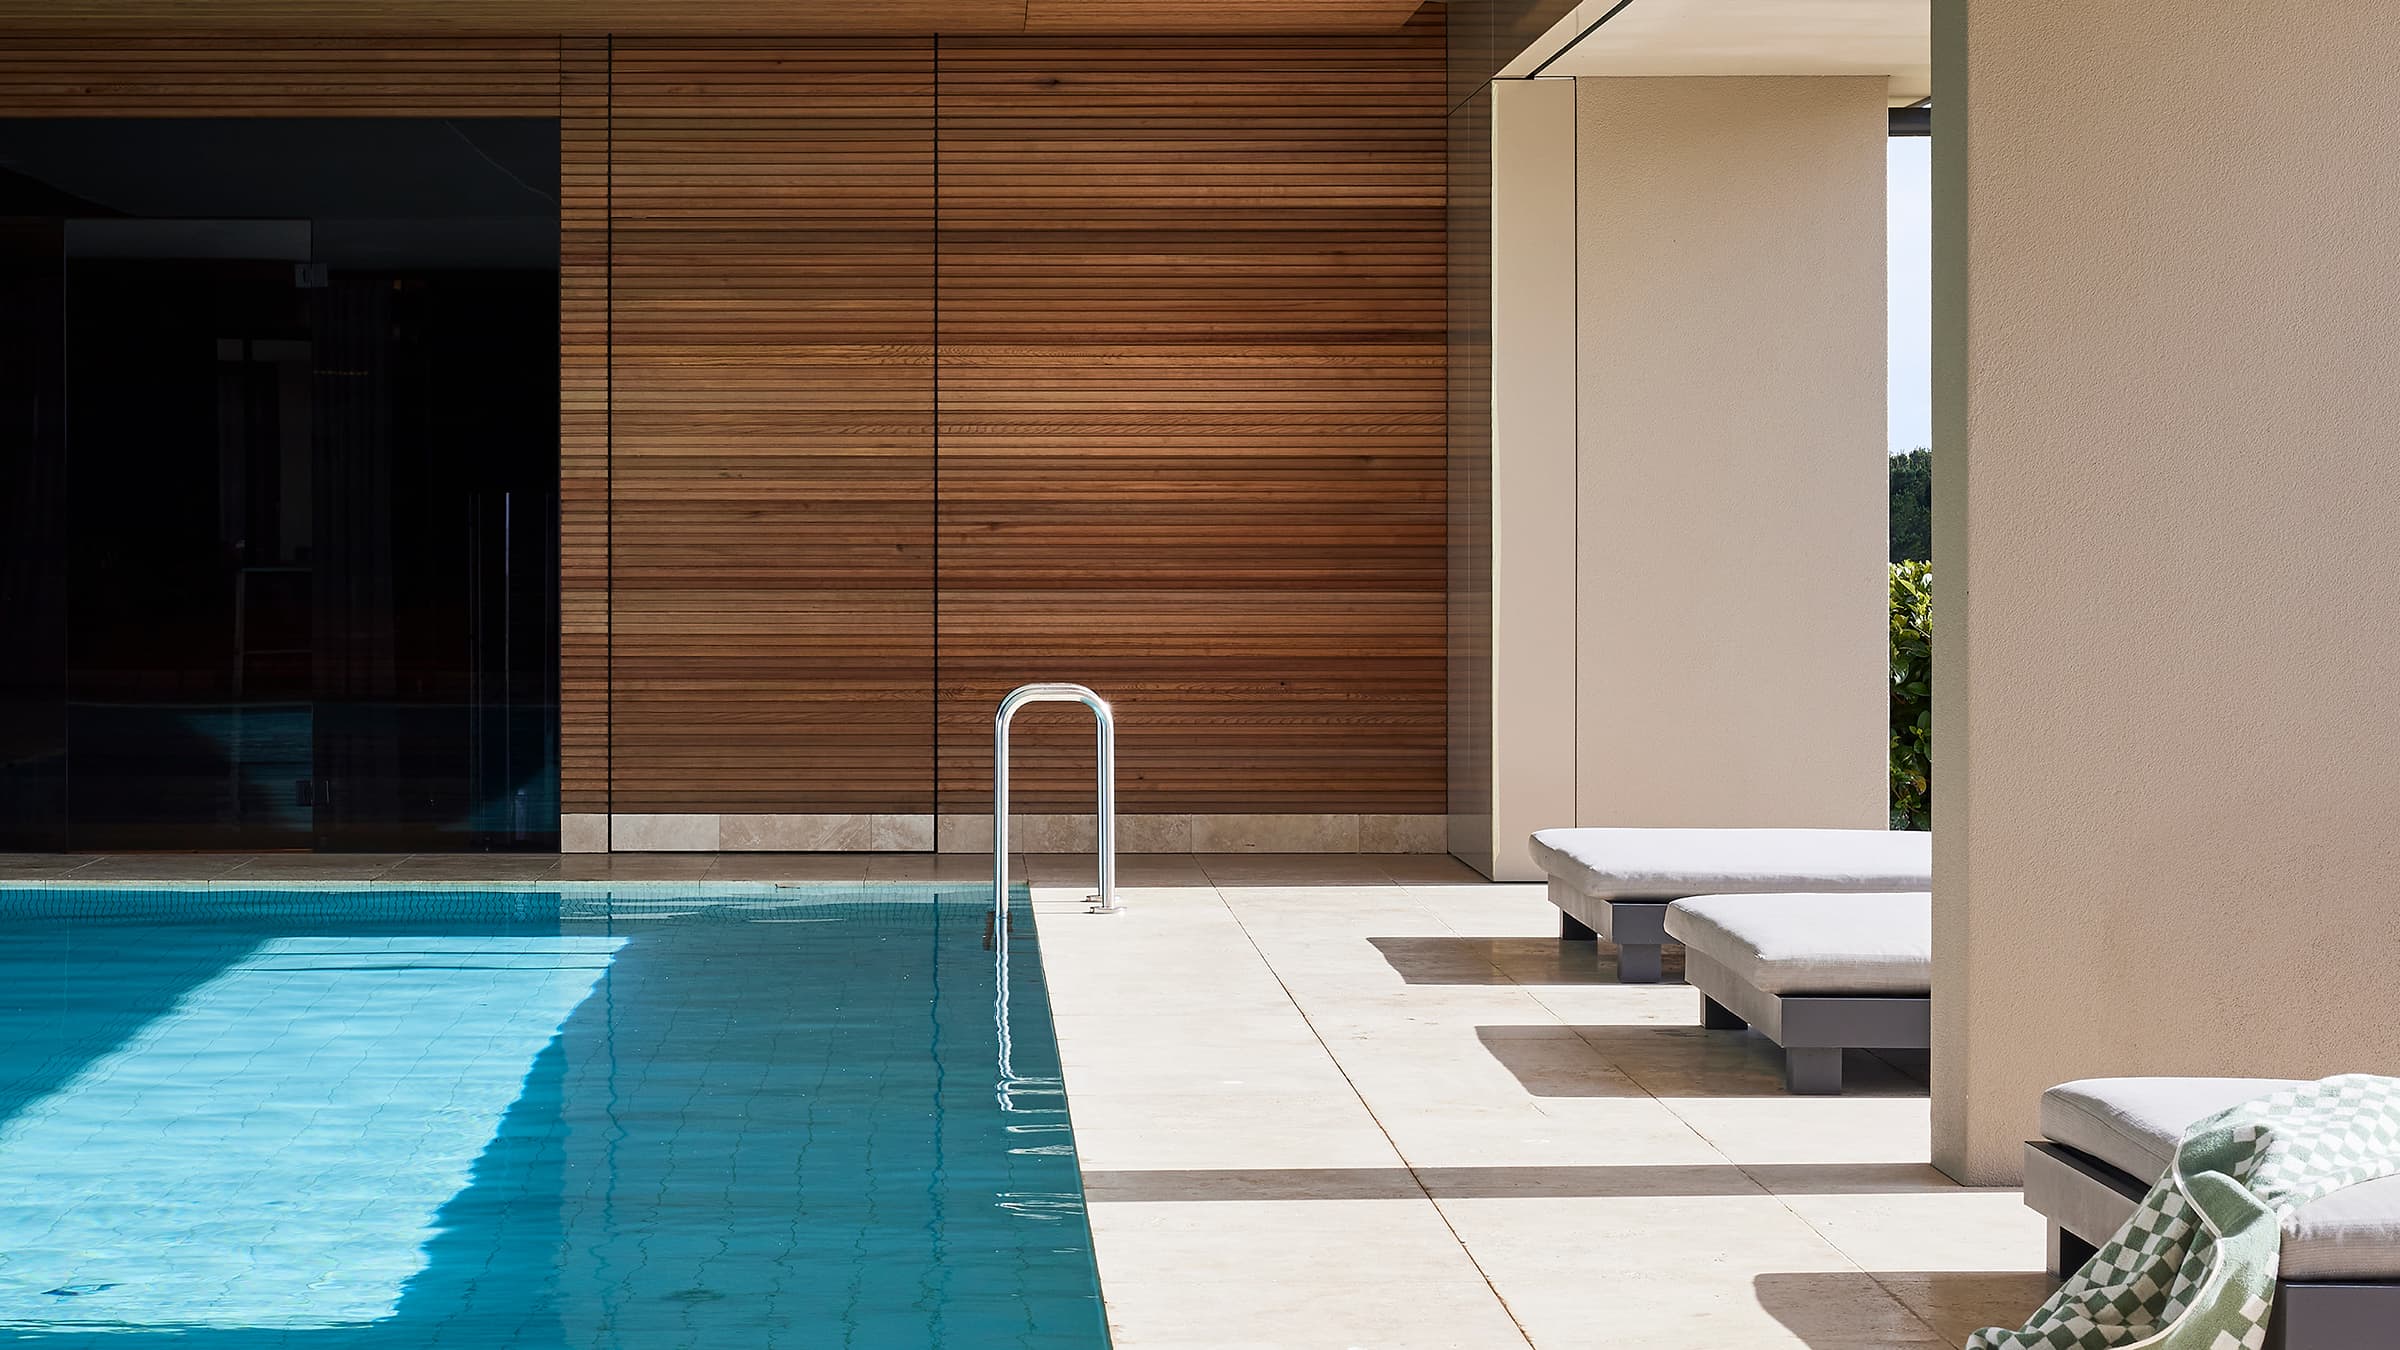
[2068, 1253]
[1814, 1070]
[1638, 963]
[1717, 1017]
[1572, 929]
[1639, 928]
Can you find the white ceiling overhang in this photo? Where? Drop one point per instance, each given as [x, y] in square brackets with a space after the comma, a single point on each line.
[1893, 38]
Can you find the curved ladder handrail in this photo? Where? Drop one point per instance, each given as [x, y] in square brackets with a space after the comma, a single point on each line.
[1106, 808]
[1010, 1086]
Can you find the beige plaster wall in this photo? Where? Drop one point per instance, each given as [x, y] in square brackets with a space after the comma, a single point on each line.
[1512, 475]
[1534, 391]
[2167, 753]
[1467, 473]
[1731, 644]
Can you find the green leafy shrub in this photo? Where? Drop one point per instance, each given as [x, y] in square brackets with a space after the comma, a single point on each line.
[1912, 696]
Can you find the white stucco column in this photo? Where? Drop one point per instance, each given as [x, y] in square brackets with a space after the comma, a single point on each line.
[1731, 610]
[2167, 665]
[1512, 690]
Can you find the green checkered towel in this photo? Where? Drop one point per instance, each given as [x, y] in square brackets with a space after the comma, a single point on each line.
[2194, 1268]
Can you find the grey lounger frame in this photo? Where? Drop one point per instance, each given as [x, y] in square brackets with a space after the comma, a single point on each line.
[1638, 927]
[1615, 883]
[1813, 1029]
[2084, 1201]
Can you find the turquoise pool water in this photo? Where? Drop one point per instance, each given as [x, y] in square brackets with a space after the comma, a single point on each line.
[557, 1120]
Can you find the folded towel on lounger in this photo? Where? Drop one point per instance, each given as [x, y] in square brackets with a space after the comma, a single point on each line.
[2194, 1268]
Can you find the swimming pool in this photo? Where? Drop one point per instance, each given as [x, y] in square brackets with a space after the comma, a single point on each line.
[559, 1119]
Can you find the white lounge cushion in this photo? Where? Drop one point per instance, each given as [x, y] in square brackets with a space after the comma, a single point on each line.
[2133, 1124]
[1618, 863]
[1814, 943]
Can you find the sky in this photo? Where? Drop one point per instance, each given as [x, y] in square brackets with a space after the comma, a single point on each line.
[1911, 234]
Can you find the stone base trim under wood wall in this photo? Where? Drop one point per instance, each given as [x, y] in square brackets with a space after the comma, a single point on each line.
[973, 834]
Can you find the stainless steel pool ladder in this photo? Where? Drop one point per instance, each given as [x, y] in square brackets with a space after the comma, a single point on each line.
[1105, 902]
[1010, 1087]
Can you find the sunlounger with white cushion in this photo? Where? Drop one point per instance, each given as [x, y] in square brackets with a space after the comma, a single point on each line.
[2106, 1141]
[1616, 883]
[1815, 973]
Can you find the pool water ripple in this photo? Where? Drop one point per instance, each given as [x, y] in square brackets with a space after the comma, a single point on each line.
[556, 1120]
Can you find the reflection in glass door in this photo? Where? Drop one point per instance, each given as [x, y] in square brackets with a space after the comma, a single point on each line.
[33, 464]
[303, 470]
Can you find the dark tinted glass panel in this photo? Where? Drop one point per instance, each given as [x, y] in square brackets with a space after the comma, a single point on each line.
[33, 613]
[303, 494]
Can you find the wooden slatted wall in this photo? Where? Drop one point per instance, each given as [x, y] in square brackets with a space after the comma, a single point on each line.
[700, 18]
[279, 77]
[1189, 405]
[1151, 17]
[1192, 339]
[583, 427]
[772, 385]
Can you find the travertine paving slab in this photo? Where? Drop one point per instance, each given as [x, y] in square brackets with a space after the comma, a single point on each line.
[316, 867]
[466, 867]
[161, 867]
[1362, 1101]
[42, 866]
[1676, 1270]
[1298, 1080]
[1297, 1274]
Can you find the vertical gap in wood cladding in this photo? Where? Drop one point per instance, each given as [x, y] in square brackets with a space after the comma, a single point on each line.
[772, 309]
[933, 710]
[1192, 415]
[583, 468]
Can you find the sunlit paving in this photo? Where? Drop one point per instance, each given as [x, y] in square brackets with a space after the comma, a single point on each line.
[1199, 675]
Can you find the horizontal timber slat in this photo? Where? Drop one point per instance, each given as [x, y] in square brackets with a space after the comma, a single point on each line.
[772, 269]
[896, 372]
[718, 19]
[280, 77]
[583, 458]
[1192, 424]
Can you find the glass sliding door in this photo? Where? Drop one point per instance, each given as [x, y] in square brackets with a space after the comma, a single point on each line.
[33, 463]
[435, 602]
[304, 487]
